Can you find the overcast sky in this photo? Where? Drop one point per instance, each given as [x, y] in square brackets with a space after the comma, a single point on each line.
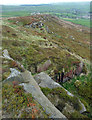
[18, 2]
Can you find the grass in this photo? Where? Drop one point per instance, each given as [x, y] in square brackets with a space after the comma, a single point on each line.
[30, 41]
[63, 95]
[19, 103]
[84, 22]
[15, 14]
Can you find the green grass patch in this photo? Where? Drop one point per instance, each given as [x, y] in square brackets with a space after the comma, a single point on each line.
[84, 22]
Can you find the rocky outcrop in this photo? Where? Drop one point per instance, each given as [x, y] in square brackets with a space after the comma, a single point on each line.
[26, 80]
[30, 85]
[35, 24]
[19, 79]
[33, 88]
[44, 80]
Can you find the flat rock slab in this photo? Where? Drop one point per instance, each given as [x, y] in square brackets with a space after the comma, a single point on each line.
[45, 81]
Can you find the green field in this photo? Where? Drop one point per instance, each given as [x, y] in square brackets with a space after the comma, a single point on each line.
[84, 22]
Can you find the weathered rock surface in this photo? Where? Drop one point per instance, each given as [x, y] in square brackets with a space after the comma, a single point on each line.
[45, 81]
[14, 73]
[33, 88]
[18, 79]
[6, 54]
[14, 76]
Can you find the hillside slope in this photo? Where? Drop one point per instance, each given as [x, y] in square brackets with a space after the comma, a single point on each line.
[47, 43]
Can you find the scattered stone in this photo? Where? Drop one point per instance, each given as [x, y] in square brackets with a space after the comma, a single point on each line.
[35, 24]
[82, 74]
[43, 67]
[71, 37]
[6, 54]
[17, 22]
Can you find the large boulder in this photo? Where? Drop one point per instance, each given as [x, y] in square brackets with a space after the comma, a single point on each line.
[15, 76]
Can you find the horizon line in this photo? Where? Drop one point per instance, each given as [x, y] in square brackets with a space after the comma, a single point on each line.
[49, 3]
